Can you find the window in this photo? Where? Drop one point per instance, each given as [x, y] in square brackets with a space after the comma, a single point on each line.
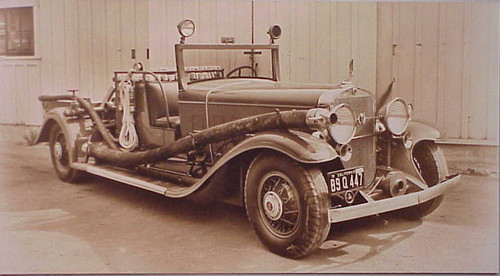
[16, 32]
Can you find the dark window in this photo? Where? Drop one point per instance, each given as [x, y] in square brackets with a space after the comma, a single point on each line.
[16, 32]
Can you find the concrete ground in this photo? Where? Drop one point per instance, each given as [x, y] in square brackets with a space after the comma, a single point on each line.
[100, 226]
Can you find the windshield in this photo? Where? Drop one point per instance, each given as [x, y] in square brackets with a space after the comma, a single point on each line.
[205, 62]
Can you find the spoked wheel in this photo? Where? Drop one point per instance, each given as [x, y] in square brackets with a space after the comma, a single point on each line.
[59, 152]
[287, 205]
[279, 204]
[431, 164]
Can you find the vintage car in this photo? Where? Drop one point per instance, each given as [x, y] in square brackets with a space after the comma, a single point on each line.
[222, 126]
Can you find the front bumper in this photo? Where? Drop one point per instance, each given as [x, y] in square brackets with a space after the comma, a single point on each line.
[372, 207]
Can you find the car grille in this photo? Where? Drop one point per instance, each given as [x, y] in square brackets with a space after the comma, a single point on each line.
[363, 149]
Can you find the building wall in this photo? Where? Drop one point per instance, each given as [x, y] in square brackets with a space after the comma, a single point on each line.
[318, 41]
[444, 57]
[79, 43]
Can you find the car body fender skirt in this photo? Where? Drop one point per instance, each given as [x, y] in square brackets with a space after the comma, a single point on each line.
[402, 157]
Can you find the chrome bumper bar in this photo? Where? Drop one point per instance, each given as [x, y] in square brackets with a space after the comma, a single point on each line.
[373, 207]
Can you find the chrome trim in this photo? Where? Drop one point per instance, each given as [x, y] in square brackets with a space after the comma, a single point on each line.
[364, 136]
[373, 207]
[248, 104]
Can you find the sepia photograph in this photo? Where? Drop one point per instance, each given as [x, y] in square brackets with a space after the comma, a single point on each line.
[239, 136]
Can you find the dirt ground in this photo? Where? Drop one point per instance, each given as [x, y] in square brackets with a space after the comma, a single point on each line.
[101, 226]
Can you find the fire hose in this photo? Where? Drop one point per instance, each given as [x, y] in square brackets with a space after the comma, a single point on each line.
[87, 106]
[108, 151]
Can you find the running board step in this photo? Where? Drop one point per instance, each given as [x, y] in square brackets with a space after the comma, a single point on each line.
[130, 178]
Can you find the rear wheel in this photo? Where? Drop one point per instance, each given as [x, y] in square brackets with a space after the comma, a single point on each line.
[287, 205]
[431, 164]
[59, 152]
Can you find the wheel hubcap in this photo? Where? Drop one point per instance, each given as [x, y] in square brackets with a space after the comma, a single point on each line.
[273, 206]
[58, 151]
[279, 204]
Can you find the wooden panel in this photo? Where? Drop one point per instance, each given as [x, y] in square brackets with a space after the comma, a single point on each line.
[283, 19]
[174, 15]
[478, 64]
[45, 51]
[142, 30]
[493, 72]
[85, 48]
[446, 61]
[158, 33]
[112, 33]
[263, 18]
[98, 50]
[426, 74]
[454, 68]
[405, 51]
[321, 55]
[21, 93]
[206, 32]
[384, 48]
[8, 93]
[365, 62]
[71, 44]
[35, 113]
[343, 41]
[58, 49]
[127, 32]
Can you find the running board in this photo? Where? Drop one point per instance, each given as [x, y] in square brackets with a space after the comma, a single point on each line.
[130, 178]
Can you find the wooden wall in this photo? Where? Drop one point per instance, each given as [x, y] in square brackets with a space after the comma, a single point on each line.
[444, 58]
[79, 45]
[318, 41]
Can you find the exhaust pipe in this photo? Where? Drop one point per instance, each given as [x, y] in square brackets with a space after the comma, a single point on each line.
[394, 184]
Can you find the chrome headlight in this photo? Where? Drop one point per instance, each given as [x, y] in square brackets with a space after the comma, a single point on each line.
[396, 116]
[343, 124]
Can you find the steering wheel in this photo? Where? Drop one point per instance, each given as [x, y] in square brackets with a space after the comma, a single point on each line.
[239, 68]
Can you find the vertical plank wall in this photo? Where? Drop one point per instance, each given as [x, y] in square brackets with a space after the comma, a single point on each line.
[319, 38]
[79, 45]
[444, 58]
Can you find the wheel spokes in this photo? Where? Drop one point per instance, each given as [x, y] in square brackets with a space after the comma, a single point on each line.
[280, 205]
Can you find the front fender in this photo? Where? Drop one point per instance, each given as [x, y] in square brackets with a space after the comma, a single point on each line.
[422, 131]
[297, 145]
[402, 158]
[300, 146]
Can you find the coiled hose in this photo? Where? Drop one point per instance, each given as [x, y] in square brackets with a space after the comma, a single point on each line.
[128, 138]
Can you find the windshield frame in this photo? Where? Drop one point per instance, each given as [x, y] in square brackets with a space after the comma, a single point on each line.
[183, 77]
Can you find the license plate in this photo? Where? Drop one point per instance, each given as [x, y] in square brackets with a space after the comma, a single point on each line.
[345, 180]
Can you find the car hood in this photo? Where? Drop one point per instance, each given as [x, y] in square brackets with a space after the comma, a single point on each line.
[262, 92]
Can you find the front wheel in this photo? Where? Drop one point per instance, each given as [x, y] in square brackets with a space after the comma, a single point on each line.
[287, 205]
[431, 164]
[59, 153]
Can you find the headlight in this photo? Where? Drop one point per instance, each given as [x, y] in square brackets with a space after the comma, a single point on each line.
[396, 116]
[343, 124]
